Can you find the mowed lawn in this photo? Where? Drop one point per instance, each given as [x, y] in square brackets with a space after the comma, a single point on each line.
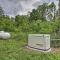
[15, 50]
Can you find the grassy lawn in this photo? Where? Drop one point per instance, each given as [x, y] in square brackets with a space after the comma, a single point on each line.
[15, 50]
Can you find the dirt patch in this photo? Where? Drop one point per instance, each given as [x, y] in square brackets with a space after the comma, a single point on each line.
[55, 50]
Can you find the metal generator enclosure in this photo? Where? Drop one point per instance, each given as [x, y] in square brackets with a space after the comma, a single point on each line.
[39, 41]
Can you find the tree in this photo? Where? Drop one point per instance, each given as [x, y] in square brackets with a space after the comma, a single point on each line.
[7, 24]
[39, 13]
[34, 15]
[52, 8]
[1, 11]
[42, 10]
[20, 19]
[59, 9]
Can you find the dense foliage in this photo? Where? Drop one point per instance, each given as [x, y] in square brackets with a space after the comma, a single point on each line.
[36, 22]
[21, 24]
[6, 24]
[44, 12]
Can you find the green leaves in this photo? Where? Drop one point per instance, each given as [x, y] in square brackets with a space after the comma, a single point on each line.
[7, 24]
[43, 12]
[1, 11]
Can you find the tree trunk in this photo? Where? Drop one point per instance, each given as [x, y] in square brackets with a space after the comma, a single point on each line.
[59, 9]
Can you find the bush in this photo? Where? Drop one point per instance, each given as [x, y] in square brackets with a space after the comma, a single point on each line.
[7, 25]
[55, 43]
[20, 36]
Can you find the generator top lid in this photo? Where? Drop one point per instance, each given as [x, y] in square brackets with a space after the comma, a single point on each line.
[39, 34]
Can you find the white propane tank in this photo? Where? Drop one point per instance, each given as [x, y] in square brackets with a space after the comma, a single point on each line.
[4, 35]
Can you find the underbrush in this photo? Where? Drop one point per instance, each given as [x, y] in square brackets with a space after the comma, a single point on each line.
[14, 49]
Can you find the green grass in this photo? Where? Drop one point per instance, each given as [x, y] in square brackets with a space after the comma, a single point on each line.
[15, 50]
